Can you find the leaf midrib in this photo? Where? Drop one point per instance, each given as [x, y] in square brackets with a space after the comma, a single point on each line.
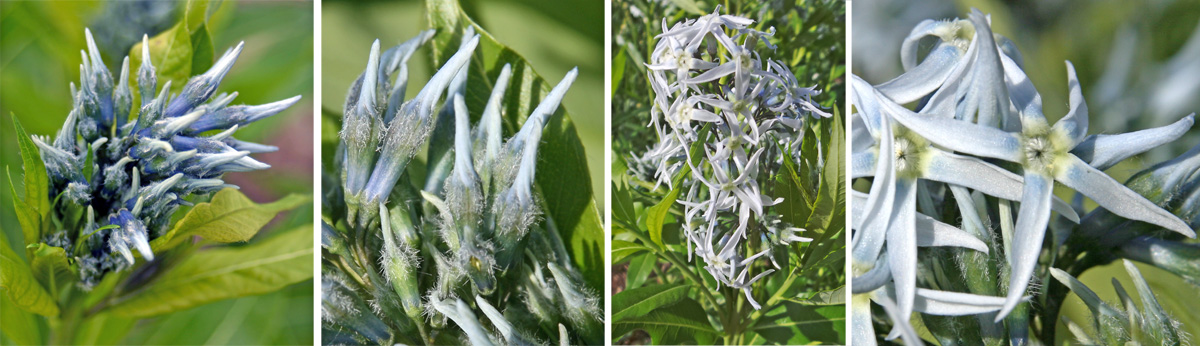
[237, 267]
[659, 294]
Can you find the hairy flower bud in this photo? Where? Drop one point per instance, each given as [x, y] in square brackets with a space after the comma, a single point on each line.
[141, 172]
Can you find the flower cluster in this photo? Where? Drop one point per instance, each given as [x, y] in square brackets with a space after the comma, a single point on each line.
[725, 120]
[978, 139]
[116, 178]
[465, 238]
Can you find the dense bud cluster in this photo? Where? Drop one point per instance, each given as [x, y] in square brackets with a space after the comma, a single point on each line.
[118, 178]
[465, 241]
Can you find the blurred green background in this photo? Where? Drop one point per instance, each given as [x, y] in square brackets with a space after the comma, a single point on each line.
[39, 56]
[554, 36]
[1137, 61]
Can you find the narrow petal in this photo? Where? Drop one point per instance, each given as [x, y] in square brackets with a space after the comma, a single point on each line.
[958, 135]
[1075, 123]
[869, 239]
[902, 244]
[931, 232]
[1030, 231]
[1116, 197]
[860, 315]
[925, 78]
[943, 303]
[1105, 151]
[984, 177]
[928, 27]
[902, 327]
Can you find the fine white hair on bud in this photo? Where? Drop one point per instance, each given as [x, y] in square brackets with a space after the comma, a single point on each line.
[134, 173]
[416, 240]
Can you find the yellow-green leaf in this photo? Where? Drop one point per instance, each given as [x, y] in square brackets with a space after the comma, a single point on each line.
[19, 326]
[37, 184]
[224, 273]
[26, 216]
[656, 215]
[49, 265]
[18, 284]
[229, 217]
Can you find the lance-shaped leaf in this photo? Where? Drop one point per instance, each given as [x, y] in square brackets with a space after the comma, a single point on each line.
[224, 273]
[20, 287]
[229, 217]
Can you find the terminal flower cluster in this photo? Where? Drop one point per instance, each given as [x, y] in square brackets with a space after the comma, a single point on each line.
[727, 117]
[978, 132]
[122, 169]
[469, 238]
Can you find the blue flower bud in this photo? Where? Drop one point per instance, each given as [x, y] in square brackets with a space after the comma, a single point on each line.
[130, 233]
[407, 132]
[147, 76]
[199, 88]
[142, 171]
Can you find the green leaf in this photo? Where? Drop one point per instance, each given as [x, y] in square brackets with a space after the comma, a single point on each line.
[792, 323]
[26, 216]
[688, 5]
[796, 206]
[171, 54]
[229, 217]
[224, 273]
[202, 50]
[624, 213]
[563, 179]
[50, 265]
[19, 326]
[618, 69]
[831, 203]
[103, 329]
[684, 322]
[196, 14]
[640, 268]
[658, 213]
[622, 249]
[641, 301]
[18, 284]
[37, 184]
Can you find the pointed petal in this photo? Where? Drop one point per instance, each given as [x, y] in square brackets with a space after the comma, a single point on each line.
[1105, 151]
[1116, 197]
[931, 232]
[1032, 219]
[550, 103]
[943, 303]
[1075, 123]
